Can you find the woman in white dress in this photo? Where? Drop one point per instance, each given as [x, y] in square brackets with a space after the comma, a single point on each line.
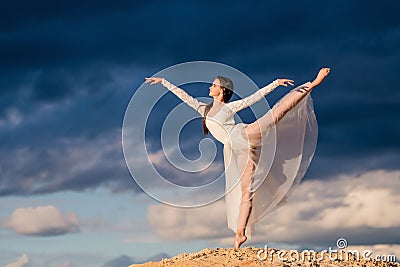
[261, 188]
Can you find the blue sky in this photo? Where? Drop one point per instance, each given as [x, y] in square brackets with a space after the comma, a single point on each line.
[68, 72]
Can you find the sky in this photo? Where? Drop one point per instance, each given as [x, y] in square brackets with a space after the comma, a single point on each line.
[69, 71]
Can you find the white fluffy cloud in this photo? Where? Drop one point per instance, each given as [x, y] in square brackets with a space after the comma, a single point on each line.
[22, 261]
[180, 223]
[65, 264]
[42, 221]
[361, 208]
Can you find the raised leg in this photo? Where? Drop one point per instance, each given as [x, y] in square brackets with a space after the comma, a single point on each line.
[256, 130]
[320, 77]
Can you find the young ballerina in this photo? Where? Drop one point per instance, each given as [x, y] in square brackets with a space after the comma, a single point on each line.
[296, 133]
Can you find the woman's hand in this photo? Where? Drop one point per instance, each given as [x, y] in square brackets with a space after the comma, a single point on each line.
[153, 80]
[285, 82]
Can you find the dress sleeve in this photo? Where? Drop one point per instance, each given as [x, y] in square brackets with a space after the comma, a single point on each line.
[238, 105]
[185, 97]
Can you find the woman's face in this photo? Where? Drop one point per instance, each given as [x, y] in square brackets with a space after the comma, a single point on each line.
[215, 88]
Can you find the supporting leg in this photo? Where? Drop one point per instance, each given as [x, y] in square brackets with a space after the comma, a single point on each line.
[246, 203]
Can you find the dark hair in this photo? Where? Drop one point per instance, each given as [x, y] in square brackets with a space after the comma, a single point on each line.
[227, 92]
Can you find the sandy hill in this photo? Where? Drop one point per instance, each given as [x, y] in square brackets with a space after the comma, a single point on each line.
[251, 256]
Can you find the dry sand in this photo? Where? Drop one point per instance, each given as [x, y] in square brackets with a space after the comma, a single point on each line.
[247, 256]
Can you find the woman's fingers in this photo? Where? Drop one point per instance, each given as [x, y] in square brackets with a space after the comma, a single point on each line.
[152, 80]
[285, 82]
[290, 82]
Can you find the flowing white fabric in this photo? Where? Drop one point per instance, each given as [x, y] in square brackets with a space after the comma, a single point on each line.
[275, 173]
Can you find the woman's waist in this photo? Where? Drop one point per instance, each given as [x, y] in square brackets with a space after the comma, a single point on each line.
[227, 133]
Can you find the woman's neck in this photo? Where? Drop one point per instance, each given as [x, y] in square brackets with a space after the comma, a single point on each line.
[218, 101]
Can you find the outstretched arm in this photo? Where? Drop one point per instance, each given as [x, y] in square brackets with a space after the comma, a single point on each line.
[238, 105]
[185, 97]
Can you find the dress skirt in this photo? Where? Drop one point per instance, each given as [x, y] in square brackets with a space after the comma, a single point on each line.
[280, 162]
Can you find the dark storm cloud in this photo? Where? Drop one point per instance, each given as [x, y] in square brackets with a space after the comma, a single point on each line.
[57, 81]
[51, 87]
[45, 147]
[358, 236]
[69, 164]
[162, 33]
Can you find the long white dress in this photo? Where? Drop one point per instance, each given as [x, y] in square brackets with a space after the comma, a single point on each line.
[276, 172]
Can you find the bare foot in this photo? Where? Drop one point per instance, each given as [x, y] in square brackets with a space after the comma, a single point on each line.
[320, 77]
[239, 240]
